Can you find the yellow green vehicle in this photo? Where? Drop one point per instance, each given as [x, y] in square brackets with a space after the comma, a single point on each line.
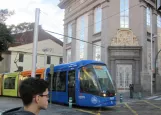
[10, 84]
[1, 82]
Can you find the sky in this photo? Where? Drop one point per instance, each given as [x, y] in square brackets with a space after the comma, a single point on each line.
[51, 16]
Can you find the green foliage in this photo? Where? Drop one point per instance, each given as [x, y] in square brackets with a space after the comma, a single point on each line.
[4, 14]
[5, 39]
[5, 33]
[22, 27]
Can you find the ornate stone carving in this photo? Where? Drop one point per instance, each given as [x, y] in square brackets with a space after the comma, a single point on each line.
[125, 37]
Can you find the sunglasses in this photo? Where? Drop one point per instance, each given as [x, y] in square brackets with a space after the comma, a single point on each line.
[44, 95]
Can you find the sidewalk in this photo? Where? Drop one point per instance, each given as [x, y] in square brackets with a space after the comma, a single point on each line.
[7, 103]
[127, 99]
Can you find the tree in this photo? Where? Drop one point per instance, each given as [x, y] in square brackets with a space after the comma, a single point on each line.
[4, 14]
[22, 27]
[5, 39]
[5, 33]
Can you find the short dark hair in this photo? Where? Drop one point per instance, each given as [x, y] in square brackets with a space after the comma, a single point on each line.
[31, 87]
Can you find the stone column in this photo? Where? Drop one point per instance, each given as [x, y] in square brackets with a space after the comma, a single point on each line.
[64, 44]
[155, 43]
[90, 34]
[145, 76]
[104, 34]
[112, 71]
[143, 37]
[73, 45]
[137, 72]
[155, 27]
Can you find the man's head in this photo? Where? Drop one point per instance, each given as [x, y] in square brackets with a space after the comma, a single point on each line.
[34, 91]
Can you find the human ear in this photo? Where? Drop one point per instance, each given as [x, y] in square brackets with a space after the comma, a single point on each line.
[37, 98]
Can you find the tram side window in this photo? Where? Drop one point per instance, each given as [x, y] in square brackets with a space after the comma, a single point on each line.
[61, 81]
[53, 82]
[58, 82]
[71, 77]
[9, 83]
[49, 80]
[38, 76]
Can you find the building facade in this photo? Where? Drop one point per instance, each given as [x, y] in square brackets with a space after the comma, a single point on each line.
[20, 51]
[47, 54]
[117, 32]
[20, 57]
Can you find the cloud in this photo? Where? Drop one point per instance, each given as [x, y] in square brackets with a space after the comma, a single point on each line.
[51, 16]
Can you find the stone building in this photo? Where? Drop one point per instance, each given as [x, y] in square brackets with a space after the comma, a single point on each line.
[117, 32]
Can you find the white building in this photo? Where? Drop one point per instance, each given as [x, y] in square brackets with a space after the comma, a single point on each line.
[48, 52]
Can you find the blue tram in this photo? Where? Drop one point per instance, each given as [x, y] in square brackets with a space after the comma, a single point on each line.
[88, 82]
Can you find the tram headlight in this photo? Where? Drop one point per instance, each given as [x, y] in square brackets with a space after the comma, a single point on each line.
[104, 95]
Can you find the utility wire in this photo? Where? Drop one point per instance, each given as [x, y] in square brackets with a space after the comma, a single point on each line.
[110, 16]
[72, 9]
[50, 18]
[91, 25]
[73, 38]
[64, 36]
[104, 18]
[76, 38]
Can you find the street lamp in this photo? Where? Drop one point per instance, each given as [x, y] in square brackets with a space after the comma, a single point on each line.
[156, 57]
[151, 81]
[151, 36]
[155, 61]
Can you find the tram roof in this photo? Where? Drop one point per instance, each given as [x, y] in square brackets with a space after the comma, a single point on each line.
[76, 64]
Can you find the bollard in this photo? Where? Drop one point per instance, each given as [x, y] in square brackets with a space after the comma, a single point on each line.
[140, 95]
[70, 102]
[131, 94]
[121, 98]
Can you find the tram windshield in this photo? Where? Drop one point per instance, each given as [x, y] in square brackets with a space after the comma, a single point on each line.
[95, 78]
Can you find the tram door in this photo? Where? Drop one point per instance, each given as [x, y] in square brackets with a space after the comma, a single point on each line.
[71, 85]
